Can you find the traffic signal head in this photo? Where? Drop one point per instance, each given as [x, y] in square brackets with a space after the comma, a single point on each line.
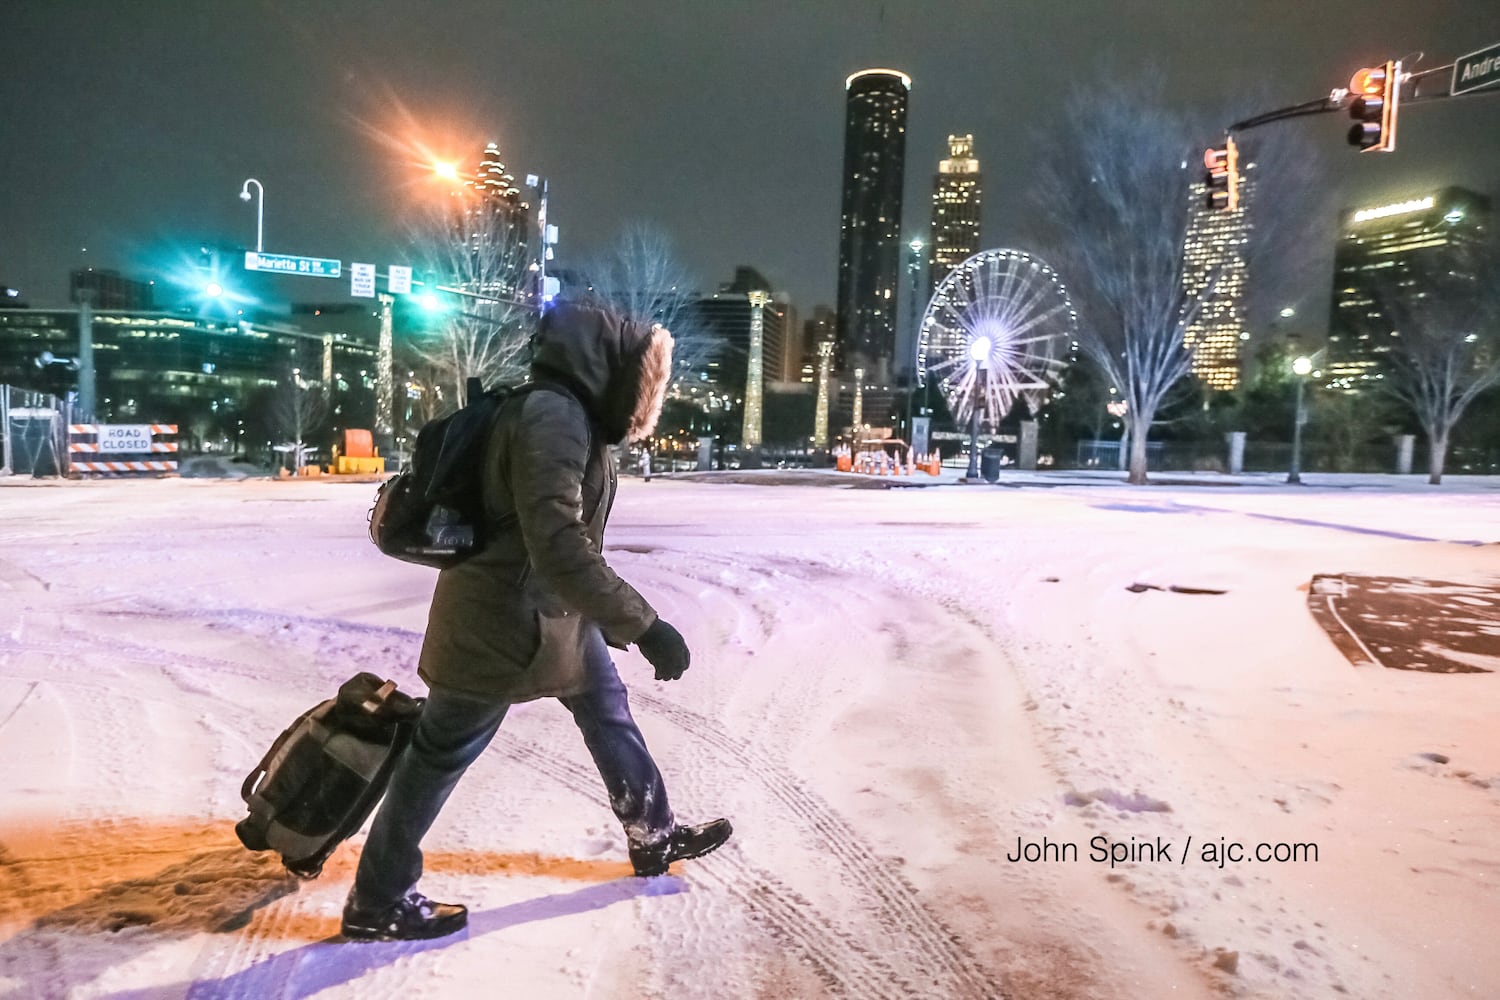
[1222, 178]
[1376, 91]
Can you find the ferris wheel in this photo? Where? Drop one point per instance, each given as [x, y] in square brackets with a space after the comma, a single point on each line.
[999, 328]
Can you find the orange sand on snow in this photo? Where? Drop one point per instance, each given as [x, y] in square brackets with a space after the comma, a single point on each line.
[186, 876]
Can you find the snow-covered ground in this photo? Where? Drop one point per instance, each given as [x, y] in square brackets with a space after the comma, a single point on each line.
[890, 689]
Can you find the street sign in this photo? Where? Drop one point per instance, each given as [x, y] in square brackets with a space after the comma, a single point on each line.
[362, 280]
[400, 280]
[124, 438]
[285, 263]
[1475, 70]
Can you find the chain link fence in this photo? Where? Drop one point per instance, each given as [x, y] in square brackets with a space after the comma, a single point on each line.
[34, 427]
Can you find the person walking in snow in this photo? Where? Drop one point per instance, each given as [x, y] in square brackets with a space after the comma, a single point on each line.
[532, 615]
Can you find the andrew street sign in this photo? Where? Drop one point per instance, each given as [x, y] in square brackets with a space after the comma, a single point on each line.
[285, 263]
[1475, 70]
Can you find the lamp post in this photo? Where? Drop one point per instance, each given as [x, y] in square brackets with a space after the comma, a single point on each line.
[1301, 368]
[546, 238]
[915, 268]
[260, 210]
[979, 357]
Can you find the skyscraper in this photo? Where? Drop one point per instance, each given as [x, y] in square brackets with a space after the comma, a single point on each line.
[870, 238]
[1387, 247]
[491, 224]
[956, 192]
[1214, 251]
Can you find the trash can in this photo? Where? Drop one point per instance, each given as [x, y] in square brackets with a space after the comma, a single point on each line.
[989, 463]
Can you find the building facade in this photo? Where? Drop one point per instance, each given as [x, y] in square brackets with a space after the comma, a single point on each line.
[726, 318]
[105, 289]
[1214, 254]
[957, 190]
[1383, 249]
[193, 371]
[870, 234]
[821, 328]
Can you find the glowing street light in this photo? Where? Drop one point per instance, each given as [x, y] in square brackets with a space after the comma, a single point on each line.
[447, 171]
[213, 290]
[260, 210]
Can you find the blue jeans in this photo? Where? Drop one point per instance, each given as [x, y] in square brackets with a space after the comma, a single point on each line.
[454, 730]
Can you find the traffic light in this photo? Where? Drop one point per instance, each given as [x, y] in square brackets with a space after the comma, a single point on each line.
[1377, 92]
[1223, 177]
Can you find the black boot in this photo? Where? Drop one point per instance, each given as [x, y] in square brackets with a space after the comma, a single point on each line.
[413, 917]
[682, 843]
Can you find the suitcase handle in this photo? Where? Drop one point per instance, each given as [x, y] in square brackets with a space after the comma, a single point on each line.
[253, 778]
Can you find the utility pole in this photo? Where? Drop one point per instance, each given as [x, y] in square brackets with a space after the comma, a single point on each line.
[87, 386]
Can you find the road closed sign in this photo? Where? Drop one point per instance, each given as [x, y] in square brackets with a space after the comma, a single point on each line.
[124, 439]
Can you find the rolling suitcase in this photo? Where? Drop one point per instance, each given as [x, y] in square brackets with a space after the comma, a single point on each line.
[323, 776]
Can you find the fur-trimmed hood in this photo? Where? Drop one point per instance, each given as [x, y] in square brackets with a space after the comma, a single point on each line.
[619, 368]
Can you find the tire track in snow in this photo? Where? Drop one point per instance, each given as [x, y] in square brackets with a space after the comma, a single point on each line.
[841, 961]
[903, 914]
[254, 946]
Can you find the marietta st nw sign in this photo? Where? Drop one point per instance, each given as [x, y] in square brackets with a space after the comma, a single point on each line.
[1475, 70]
[285, 263]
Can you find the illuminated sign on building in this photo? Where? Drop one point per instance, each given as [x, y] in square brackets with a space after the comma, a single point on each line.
[1395, 208]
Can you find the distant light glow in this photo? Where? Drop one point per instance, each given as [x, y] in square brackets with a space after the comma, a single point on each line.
[1302, 366]
[446, 170]
[1394, 208]
[213, 289]
[980, 348]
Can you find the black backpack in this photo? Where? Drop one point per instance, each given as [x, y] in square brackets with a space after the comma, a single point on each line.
[322, 776]
[432, 513]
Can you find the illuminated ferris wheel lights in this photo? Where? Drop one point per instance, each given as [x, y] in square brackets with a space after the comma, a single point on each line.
[979, 350]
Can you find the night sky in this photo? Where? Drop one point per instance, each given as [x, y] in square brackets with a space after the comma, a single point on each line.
[129, 127]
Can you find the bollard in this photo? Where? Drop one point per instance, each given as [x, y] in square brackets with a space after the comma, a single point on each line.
[1236, 452]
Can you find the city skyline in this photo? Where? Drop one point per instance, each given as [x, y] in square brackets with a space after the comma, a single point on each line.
[334, 112]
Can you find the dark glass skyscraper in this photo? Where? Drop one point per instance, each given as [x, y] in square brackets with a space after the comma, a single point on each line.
[870, 240]
[1384, 250]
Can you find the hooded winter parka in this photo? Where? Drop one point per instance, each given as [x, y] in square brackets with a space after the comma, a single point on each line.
[508, 624]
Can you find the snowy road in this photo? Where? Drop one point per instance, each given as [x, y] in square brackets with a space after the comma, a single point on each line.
[890, 690]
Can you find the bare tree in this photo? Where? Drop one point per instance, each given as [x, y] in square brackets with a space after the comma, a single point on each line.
[644, 279]
[477, 246]
[295, 410]
[1445, 340]
[1115, 200]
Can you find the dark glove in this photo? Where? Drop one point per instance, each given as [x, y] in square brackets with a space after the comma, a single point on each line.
[664, 648]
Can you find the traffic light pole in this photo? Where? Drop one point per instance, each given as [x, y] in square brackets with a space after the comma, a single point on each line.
[1341, 99]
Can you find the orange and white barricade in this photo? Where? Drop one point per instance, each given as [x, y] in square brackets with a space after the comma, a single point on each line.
[121, 448]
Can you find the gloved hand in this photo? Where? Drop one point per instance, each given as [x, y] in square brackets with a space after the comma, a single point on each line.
[664, 648]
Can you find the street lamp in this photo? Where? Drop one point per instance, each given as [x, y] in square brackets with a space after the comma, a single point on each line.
[1301, 367]
[979, 356]
[915, 267]
[260, 210]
